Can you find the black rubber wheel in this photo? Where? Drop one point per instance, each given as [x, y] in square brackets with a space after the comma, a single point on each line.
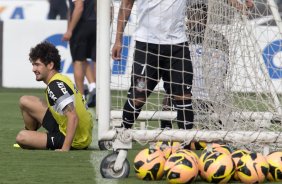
[107, 167]
[105, 145]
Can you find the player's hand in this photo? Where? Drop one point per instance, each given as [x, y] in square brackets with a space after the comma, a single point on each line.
[67, 36]
[62, 150]
[116, 51]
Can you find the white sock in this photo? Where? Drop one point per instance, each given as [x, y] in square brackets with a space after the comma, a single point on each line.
[91, 86]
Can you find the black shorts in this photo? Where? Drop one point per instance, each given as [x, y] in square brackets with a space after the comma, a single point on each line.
[83, 41]
[55, 139]
[152, 62]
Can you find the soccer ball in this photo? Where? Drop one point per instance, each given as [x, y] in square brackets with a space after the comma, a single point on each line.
[252, 168]
[216, 167]
[181, 168]
[218, 148]
[199, 145]
[236, 156]
[222, 148]
[149, 164]
[168, 147]
[274, 160]
[190, 153]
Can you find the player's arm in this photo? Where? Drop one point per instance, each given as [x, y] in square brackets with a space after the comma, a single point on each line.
[75, 17]
[123, 16]
[61, 98]
[72, 123]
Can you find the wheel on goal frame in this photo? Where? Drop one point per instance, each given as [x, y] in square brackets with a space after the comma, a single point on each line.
[107, 167]
[105, 145]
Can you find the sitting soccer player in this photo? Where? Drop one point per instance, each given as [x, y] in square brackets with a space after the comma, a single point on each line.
[63, 114]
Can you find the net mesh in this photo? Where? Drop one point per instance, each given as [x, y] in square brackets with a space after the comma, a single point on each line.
[236, 56]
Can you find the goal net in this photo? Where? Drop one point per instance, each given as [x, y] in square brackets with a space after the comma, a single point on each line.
[237, 85]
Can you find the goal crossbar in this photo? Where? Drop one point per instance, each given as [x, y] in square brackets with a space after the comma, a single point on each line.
[263, 137]
[171, 115]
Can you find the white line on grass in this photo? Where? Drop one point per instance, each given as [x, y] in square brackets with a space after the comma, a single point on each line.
[97, 156]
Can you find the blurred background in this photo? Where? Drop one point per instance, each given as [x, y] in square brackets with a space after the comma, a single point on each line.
[24, 23]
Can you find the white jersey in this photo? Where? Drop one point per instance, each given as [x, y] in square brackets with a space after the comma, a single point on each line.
[161, 21]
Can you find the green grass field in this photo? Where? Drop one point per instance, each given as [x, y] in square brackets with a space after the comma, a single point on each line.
[45, 166]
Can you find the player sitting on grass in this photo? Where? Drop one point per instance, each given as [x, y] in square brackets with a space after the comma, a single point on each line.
[64, 114]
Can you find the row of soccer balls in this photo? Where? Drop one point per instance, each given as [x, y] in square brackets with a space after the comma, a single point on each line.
[217, 164]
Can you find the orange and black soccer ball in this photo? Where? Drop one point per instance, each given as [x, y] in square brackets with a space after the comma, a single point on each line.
[197, 145]
[216, 167]
[274, 160]
[222, 148]
[252, 168]
[190, 153]
[181, 168]
[149, 164]
[168, 147]
[236, 156]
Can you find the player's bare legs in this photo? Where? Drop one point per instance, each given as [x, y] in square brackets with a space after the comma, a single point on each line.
[79, 71]
[91, 72]
[33, 110]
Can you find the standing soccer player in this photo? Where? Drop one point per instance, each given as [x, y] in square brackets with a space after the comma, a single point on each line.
[63, 114]
[161, 52]
[81, 34]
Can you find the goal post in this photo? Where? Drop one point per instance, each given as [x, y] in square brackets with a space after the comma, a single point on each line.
[237, 86]
[103, 68]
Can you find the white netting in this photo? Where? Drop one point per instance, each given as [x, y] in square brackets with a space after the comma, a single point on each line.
[236, 55]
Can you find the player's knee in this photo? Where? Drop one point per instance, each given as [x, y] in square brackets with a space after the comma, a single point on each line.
[23, 101]
[21, 137]
[138, 102]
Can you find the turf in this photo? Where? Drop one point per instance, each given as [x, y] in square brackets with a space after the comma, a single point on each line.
[45, 166]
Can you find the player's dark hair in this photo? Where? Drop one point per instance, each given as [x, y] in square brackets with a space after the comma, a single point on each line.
[47, 53]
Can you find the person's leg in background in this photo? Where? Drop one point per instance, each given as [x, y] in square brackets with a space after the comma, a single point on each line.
[91, 78]
[81, 47]
[79, 70]
[91, 67]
